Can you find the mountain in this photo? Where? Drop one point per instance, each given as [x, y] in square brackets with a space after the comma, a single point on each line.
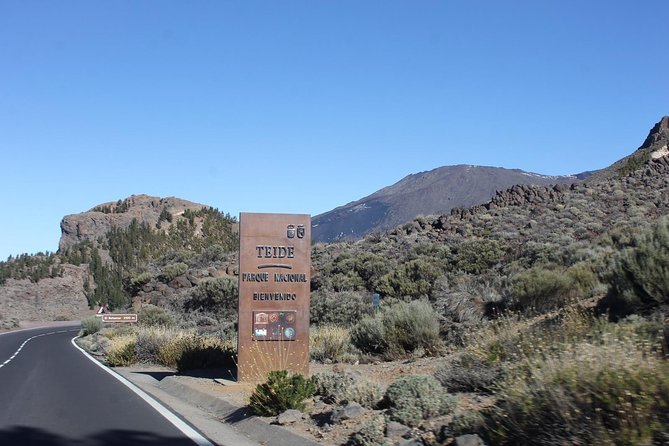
[96, 222]
[655, 146]
[427, 193]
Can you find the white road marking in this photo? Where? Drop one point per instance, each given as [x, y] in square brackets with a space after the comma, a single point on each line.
[162, 410]
[30, 339]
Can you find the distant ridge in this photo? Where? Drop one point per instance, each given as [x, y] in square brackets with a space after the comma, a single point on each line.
[433, 192]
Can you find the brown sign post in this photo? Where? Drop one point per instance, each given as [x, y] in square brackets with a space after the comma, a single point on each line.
[274, 286]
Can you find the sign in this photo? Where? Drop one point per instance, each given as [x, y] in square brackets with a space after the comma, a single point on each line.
[274, 286]
[376, 301]
[274, 325]
[119, 318]
[102, 310]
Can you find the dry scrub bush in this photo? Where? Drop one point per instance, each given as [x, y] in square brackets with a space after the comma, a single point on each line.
[640, 278]
[512, 337]
[90, 325]
[412, 399]
[467, 373]
[398, 329]
[187, 351]
[331, 343]
[151, 315]
[121, 351]
[150, 340]
[540, 289]
[614, 391]
[371, 433]
[340, 388]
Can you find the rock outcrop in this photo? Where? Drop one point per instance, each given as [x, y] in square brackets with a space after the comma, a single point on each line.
[96, 222]
[59, 298]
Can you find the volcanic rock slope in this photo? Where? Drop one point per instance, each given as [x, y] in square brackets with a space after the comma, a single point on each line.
[427, 193]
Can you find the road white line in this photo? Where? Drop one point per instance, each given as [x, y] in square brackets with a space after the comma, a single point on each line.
[162, 410]
[30, 339]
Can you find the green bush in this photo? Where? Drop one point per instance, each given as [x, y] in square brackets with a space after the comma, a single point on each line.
[281, 392]
[640, 278]
[477, 256]
[217, 295]
[412, 399]
[414, 278]
[172, 271]
[153, 316]
[343, 308]
[138, 281]
[341, 388]
[90, 325]
[399, 328]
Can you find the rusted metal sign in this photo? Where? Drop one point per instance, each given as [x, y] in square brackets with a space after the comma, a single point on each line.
[274, 280]
[119, 318]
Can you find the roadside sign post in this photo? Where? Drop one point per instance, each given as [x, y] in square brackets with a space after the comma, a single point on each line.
[274, 287]
[119, 318]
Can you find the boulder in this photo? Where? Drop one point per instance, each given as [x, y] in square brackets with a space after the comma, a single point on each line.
[350, 411]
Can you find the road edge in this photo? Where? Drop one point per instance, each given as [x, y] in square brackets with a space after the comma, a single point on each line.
[177, 422]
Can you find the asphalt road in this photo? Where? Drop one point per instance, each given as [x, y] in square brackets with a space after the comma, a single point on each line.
[52, 394]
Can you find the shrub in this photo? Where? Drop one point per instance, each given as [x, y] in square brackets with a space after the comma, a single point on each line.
[215, 295]
[330, 343]
[414, 278]
[399, 328]
[469, 422]
[341, 388]
[149, 342]
[90, 325]
[612, 391]
[153, 316]
[640, 278]
[207, 353]
[371, 433]
[281, 392]
[369, 335]
[172, 271]
[343, 308]
[412, 325]
[468, 374]
[121, 351]
[540, 289]
[477, 256]
[138, 281]
[412, 399]
[187, 351]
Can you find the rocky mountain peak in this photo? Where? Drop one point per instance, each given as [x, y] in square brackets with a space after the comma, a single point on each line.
[96, 222]
[658, 136]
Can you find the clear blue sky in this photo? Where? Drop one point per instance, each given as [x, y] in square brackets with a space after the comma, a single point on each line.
[302, 106]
